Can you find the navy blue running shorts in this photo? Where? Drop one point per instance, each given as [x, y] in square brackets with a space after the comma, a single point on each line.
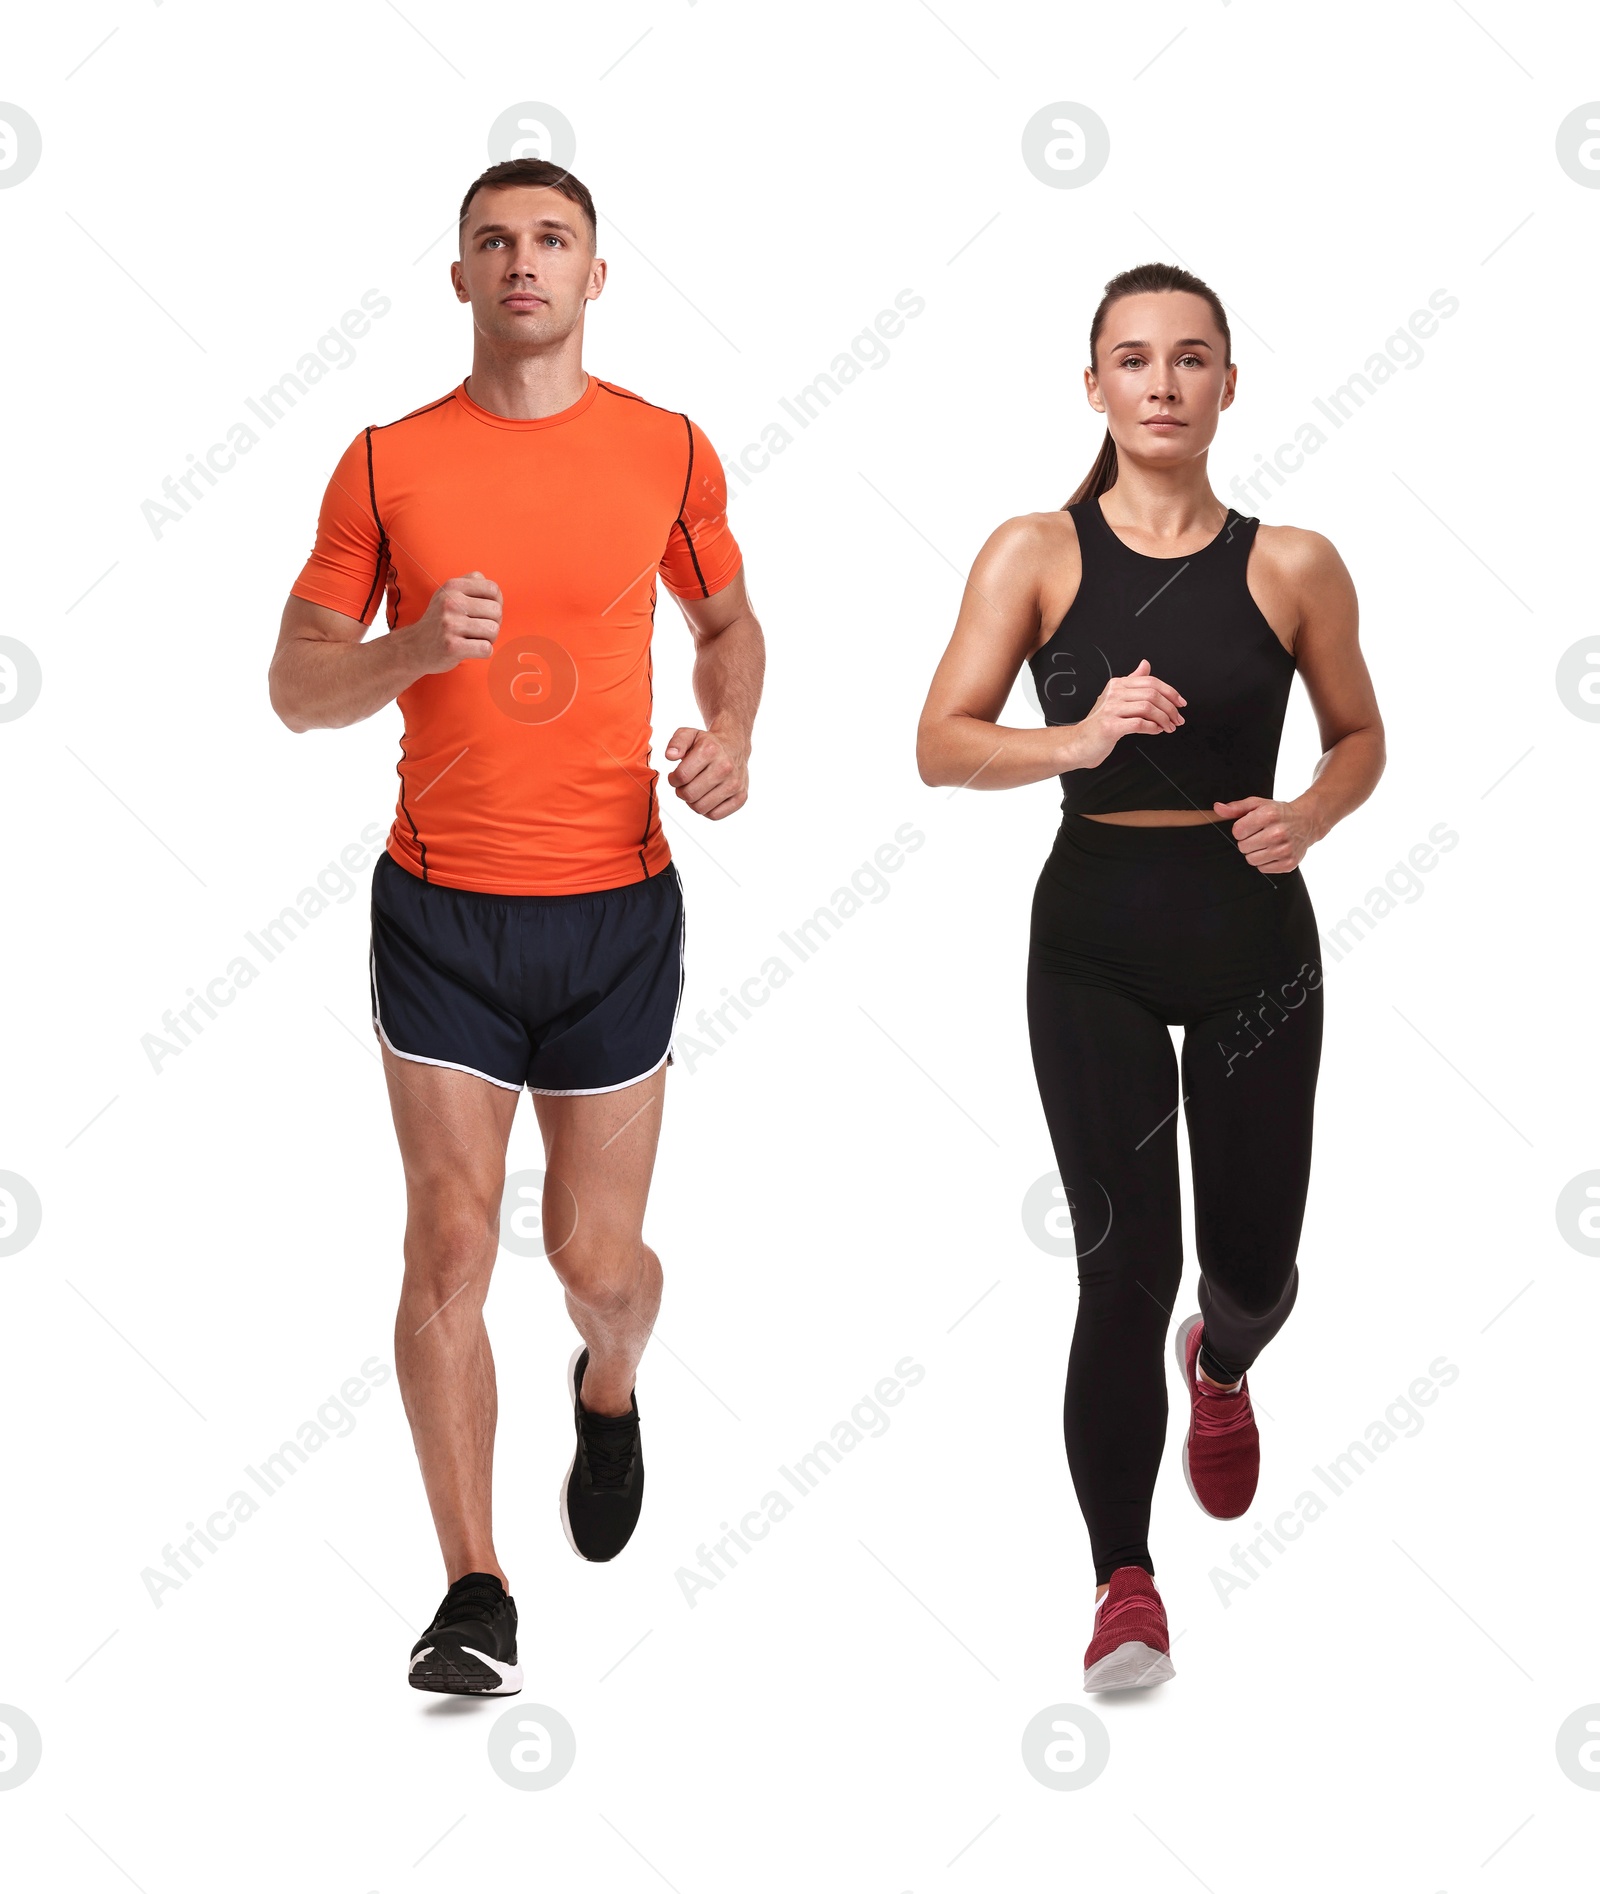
[565, 993]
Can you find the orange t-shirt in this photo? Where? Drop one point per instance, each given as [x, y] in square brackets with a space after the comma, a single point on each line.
[529, 773]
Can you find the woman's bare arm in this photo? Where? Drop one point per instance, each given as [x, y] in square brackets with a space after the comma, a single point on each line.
[999, 625]
[1275, 835]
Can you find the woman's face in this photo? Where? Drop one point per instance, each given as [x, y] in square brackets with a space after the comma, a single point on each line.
[1162, 381]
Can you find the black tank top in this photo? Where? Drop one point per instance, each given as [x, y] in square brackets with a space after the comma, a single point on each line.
[1194, 619]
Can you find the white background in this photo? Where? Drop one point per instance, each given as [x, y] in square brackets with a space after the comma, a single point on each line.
[841, 1185]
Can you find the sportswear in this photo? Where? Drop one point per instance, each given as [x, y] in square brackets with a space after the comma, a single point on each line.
[1136, 930]
[470, 1649]
[604, 1488]
[563, 993]
[1130, 1648]
[528, 773]
[1193, 617]
[1222, 1449]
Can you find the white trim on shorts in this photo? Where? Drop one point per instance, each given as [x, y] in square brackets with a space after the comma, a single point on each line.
[544, 1091]
[595, 1091]
[416, 1058]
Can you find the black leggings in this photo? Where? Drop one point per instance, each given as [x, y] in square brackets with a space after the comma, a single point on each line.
[1135, 930]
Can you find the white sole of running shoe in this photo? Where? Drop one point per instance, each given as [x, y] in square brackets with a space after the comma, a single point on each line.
[566, 1478]
[1131, 1666]
[510, 1675]
[1180, 1348]
[458, 1684]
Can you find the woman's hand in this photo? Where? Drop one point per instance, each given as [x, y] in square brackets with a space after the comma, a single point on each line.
[1137, 705]
[1272, 836]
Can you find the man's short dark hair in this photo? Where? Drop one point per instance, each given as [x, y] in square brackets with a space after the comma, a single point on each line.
[540, 174]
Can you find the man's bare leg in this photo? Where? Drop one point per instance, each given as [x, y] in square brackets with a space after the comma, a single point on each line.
[453, 1130]
[599, 1153]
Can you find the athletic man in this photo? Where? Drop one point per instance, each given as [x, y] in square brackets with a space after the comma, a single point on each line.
[527, 920]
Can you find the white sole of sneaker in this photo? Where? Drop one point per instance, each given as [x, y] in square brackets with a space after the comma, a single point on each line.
[566, 1478]
[510, 1675]
[1131, 1666]
[1180, 1348]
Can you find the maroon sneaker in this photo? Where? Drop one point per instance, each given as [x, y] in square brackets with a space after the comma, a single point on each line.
[1222, 1451]
[1129, 1648]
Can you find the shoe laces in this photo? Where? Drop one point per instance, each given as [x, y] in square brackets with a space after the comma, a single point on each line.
[1219, 1413]
[1142, 1605]
[608, 1443]
[477, 1595]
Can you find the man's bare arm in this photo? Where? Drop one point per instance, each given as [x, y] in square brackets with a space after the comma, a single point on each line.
[713, 774]
[326, 672]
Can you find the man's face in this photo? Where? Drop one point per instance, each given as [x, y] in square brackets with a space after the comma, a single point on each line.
[527, 265]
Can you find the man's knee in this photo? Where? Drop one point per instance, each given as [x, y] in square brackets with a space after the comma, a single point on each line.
[600, 1267]
[449, 1234]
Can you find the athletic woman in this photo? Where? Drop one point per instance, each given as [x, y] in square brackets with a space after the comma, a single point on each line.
[1163, 630]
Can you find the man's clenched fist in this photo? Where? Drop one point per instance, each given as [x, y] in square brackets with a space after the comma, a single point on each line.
[713, 776]
[462, 620]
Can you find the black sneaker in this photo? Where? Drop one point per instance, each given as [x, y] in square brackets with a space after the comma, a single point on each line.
[604, 1487]
[470, 1649]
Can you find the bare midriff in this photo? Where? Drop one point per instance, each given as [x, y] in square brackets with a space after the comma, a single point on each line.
[1158, 818]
